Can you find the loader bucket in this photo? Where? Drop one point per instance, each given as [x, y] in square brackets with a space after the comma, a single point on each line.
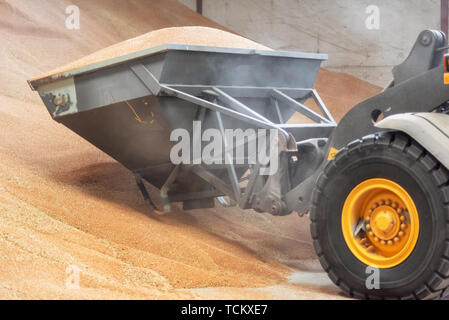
[128, 106]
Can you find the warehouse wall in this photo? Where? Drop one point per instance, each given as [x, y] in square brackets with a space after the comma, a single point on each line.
[336, 27]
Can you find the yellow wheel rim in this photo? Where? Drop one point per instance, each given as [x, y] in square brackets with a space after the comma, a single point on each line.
[380, 223]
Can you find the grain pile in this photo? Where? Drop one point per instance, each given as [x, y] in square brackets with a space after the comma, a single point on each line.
[64, 203]
[201, 36]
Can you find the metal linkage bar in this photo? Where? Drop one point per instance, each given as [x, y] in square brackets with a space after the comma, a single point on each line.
[244, 202]
[209, 177]
[322, 106]
[238, 106]
[299, 106]
[166, 187]
[194, 195]
[263, 92]
[278, 110]
[229, 161]
[146, 77]
[221, 109]
[242, 91]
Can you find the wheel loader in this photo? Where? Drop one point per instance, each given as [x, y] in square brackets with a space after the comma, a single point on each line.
[376, 185]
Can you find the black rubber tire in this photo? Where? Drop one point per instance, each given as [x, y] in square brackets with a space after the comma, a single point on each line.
[395, 156]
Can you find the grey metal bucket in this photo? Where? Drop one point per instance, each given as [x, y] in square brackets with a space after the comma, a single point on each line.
[128, 106]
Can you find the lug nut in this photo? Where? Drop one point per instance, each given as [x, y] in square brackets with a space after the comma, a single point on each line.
[401, 233]
[396, 239]
[403, 226]
[368, 226]
[390, 243]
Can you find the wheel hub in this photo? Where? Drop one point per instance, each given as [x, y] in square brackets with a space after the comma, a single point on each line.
[390, 223]
[385, 221]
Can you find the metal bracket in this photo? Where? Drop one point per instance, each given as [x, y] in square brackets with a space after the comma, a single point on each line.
[166, 187]
[143, 190]
[213, 180]
[424, 56]
[146, 77]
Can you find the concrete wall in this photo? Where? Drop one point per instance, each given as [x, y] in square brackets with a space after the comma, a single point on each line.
[336, 27]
